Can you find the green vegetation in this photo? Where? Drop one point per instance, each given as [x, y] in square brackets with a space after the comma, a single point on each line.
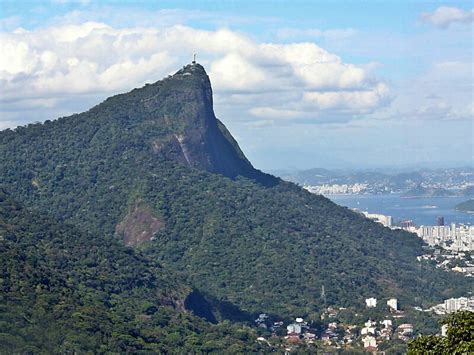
[466, 206]
[421, 191]
[262, 249]
[272, 250]
[458, 340]
[246, 240]
[67, 291]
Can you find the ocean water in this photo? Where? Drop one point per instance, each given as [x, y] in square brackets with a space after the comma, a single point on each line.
[422, 211]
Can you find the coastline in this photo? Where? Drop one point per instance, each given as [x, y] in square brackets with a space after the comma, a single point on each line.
[422, 210]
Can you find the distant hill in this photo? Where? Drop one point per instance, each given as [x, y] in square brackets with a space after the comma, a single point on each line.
[318, 176]
[420, 191]
[382, 182]
[156, 170]
[468, 191]
[466, 206]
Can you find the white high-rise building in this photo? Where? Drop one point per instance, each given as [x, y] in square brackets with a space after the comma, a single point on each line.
[454, 237]
[380, 218]
[456, 304]
[371, 302]
[393, 304]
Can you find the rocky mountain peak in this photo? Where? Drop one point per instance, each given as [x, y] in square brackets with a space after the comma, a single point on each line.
[183, 103]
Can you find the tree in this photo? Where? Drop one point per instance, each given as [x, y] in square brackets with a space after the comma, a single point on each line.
[458, 340]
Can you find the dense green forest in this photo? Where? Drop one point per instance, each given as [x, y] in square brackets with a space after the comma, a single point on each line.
[154, 168]
[65, 291]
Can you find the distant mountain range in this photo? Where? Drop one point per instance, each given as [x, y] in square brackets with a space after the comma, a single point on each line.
[420, 191]
[143, 210]
[422, 183]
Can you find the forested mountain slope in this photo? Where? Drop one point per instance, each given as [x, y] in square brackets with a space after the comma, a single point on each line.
[156, 169]
[64, 291]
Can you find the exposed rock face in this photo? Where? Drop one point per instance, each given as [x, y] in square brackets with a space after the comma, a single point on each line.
[183, 102]
[139, 225]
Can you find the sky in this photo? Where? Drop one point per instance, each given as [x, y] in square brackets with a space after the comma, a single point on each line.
[300, 84]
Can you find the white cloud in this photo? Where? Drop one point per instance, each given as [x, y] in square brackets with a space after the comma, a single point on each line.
[289, 81]
[270, 112]
[451, 83]
[244, 74]
[316, 67]
[354, 100]
[444, 16]
[443, 92]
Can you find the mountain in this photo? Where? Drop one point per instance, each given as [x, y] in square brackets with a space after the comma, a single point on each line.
[424, 182]
[421, 191]
[385, 181]
[188, 131]
[156, 170]
[466, 206]
[63, 290]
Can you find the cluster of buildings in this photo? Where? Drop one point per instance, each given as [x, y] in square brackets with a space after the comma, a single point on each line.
[336, 189]
[380, 218]
[454, 237]
[453, 305]
[296, 332]
[456, 242]
[300, 330]
[375, 332]
[341, 335]
[451, 261]
[368, 336]
[392, 303]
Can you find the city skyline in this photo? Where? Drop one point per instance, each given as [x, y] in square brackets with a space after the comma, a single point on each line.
[350, 84]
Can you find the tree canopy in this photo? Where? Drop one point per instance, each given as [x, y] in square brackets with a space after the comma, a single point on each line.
[459, 338]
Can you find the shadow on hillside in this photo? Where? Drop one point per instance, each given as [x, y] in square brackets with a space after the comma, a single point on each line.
[214, 310]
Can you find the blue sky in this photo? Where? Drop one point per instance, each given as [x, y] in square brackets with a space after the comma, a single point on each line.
[300, 84]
